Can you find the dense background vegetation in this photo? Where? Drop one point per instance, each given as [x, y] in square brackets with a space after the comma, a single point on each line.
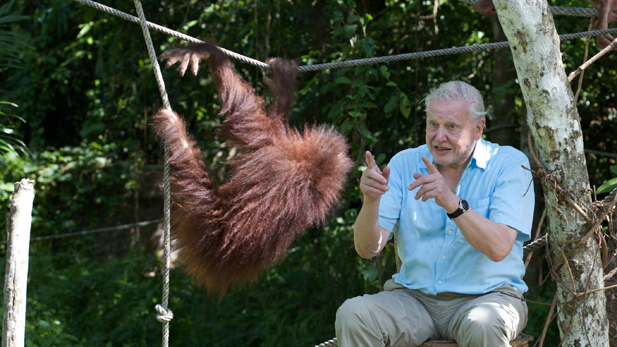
[84, 89]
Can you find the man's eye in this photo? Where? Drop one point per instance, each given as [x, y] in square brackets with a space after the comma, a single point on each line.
[452, 126]
[433, 124]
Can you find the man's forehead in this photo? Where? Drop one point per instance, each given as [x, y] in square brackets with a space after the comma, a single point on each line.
[448, 108]
[438, 104]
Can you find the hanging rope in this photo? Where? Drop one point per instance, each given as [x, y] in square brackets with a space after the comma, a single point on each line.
[165, 315]
[587, 12]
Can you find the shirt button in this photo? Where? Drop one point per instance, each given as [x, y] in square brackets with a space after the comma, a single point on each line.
[443, 257]
[450, 232]
[438, 282]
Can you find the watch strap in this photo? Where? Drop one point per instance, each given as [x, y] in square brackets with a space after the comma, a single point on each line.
[462, 208]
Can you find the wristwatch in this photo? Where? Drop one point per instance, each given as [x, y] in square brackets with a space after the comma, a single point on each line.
[463, 206]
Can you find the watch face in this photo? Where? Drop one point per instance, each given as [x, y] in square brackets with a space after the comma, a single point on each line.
[464, 204]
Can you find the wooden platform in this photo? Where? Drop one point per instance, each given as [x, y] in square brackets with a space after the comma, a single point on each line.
[521, 340]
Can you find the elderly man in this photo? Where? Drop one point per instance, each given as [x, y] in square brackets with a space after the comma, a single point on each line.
[464, 207]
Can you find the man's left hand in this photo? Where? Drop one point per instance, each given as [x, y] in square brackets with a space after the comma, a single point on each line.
[434, 186]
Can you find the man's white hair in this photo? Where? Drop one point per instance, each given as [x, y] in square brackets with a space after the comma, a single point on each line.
[459, 91]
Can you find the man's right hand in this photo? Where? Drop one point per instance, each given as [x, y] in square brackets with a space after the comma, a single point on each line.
[374, 182]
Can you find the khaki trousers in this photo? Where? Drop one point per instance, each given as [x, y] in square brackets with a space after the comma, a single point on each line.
[401, 317]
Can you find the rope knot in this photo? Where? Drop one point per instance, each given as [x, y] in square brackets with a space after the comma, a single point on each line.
[163, 315]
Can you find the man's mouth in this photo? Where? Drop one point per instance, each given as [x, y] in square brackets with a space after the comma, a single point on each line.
[441, 149]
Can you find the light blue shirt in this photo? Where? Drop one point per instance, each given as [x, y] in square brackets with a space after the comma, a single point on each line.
[435, 256]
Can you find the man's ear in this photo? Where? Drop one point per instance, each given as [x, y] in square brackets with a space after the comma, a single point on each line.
[480, 123]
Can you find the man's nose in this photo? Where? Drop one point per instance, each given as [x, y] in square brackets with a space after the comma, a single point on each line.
[441, 134]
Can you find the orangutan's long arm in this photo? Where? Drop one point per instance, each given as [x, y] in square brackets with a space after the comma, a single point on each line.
[606, 15]
[246, 124]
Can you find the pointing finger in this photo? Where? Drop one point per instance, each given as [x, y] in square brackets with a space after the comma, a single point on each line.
[370, 161]
[429, 165]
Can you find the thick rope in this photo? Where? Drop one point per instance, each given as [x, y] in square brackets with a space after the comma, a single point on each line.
[586, 34]
[164, 313]
[155, 63]
[562, 11]
[417, 55]
[329, 343]
[438, 52]
[169, 32]
[534, 246]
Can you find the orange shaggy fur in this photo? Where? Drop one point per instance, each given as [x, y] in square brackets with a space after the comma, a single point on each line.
[282, 183]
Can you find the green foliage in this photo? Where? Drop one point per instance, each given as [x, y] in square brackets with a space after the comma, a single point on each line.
[9, 140]
[85, 91]
[609, 185]
[88, 303]
[537, 314]
[43, 328]
[69, 182]
[11, 42]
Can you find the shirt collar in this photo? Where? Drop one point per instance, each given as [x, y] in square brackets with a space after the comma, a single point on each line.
[481, 154]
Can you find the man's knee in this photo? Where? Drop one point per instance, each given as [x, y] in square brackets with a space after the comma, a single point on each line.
[352, 312]
[484, 327]
[356, 324]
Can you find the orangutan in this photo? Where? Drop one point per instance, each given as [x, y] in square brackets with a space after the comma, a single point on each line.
[283, 182]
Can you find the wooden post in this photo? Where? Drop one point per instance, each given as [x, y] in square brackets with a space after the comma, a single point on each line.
[16, 276]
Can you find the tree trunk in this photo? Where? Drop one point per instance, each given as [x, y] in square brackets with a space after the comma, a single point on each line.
[555, 127]
[611, 294]
[16, 276]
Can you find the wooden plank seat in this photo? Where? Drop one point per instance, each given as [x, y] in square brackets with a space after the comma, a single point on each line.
[521, 340]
